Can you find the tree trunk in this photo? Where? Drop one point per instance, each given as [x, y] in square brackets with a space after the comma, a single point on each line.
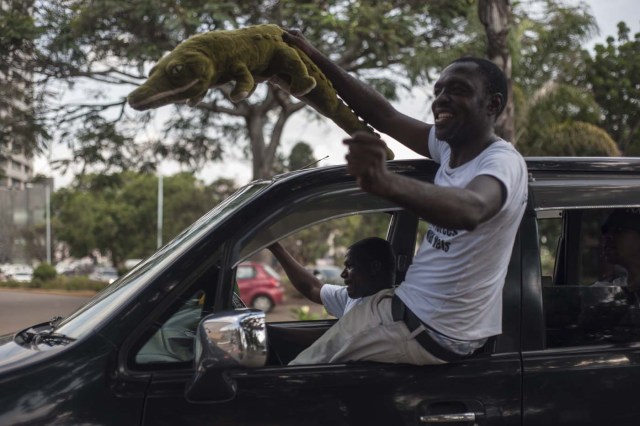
[495, 15]
[255, 128]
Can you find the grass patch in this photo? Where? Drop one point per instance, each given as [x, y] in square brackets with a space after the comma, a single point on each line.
[65, 283]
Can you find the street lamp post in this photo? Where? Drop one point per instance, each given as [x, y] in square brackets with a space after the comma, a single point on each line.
[47, 200]
[160, 194]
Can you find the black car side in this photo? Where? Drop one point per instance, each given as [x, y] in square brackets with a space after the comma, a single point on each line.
[170, 342]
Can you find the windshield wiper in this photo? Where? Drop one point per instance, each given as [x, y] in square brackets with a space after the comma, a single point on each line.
[43, 334]
[53, 322]
[52, 339]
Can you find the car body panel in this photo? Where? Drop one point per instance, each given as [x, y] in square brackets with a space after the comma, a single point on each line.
[354, 393]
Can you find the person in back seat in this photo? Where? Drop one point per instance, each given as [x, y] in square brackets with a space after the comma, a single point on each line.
[369, 266]
[621, 247]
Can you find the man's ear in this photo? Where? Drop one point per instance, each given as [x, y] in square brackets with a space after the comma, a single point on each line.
[496, 101]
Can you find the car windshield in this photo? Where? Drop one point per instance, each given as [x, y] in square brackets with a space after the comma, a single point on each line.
[115, 296]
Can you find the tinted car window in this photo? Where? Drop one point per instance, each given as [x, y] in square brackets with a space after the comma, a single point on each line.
[587, 302]
[173, 341]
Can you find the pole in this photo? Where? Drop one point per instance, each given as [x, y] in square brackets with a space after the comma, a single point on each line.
[160, 193]
[47, 200]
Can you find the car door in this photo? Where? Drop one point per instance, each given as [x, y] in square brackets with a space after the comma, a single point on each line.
[584, 368]
[484, 390]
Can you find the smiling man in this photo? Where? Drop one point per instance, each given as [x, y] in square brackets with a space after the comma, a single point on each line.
[450, 302]
[369, 266]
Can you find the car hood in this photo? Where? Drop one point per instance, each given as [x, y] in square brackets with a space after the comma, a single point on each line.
[12, 354]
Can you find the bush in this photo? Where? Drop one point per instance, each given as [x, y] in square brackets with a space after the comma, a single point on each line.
[303, 313]
[44, 272]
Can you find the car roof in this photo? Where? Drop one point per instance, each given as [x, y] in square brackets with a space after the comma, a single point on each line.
[555, 164]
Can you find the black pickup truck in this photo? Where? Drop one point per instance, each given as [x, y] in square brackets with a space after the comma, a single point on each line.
[171, 343]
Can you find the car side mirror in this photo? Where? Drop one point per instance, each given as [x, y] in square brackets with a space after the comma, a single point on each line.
[226, 340]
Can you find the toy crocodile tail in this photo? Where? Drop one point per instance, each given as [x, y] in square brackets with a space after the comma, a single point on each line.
[324, 99]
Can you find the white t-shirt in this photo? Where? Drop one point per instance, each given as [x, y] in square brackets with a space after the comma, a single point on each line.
[336, 300]
[455, 281]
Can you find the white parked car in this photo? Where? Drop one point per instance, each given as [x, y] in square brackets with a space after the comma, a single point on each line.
[21, 276]
[106, 274]
[17, 272]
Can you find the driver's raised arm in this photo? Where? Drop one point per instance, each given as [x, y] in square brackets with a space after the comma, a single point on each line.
[302, 280]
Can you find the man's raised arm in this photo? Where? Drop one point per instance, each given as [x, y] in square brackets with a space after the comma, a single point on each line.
[302, 280]
[366, 102]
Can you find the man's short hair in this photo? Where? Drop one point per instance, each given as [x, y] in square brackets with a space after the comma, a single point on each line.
[374, 249]
[495, 78]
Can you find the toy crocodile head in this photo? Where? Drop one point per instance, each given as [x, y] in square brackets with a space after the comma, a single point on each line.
[183, 75]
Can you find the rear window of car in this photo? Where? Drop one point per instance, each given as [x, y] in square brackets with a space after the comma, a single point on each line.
[269, 270]
[245, 272]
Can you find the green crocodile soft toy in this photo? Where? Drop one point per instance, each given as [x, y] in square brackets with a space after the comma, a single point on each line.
[246, 56]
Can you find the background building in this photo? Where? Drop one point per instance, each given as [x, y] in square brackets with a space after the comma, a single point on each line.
[16, 171]
[17, 111]
[23, 223]
[22, 205]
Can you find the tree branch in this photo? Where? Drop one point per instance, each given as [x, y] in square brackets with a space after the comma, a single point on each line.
[239, 111]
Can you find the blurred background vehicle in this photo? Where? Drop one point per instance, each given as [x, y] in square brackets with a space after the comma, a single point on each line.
[106, 274]
[131, 263]
[17, 272]
[327, 274]
[21, 276]
[260, 286]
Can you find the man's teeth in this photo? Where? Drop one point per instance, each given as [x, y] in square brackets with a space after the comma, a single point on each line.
[444, 115]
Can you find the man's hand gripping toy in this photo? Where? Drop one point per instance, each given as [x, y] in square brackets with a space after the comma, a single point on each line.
[247, 56]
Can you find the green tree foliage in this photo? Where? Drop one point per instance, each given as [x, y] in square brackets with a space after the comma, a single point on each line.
[117, 214]
[554, 104]
[44, 272]
[558, 110]
[575, 139]
[393, 44]
[21, 129]
[614, 76]
[547, 42]
[330, 239]
[301, 157]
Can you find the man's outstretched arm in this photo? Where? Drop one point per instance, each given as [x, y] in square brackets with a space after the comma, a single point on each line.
[370, 105]
[302, 280]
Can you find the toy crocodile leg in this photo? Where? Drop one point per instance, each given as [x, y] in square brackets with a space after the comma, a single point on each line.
[291, 65]
[245, 84]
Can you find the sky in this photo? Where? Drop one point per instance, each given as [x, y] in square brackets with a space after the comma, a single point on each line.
[325, 137]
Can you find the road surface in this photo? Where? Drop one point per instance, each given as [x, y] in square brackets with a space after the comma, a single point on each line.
[22, 308]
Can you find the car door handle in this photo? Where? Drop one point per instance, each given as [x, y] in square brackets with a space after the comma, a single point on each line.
[448, 418]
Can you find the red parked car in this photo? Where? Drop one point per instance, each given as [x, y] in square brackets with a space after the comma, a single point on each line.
[259, 285]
